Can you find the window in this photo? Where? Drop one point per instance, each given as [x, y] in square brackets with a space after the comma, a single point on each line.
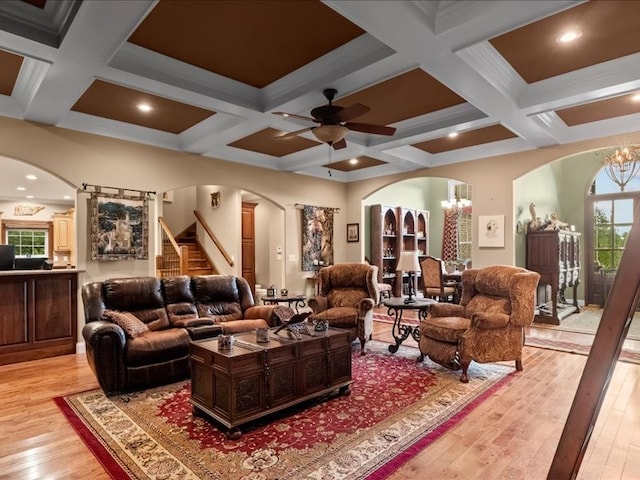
[611, 227]
[31, 239]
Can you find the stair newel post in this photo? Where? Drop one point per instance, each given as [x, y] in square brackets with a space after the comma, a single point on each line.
[184, 260]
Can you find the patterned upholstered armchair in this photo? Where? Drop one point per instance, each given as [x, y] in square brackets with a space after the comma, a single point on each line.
[348, 293]
[488, 324]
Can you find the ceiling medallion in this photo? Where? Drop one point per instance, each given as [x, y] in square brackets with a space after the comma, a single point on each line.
[622, 165]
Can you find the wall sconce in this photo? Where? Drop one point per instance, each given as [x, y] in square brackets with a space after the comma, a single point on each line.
[215, 199]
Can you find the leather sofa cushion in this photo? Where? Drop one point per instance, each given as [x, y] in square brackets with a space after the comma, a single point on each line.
[141, 296]
[131, 324]
[157, 347]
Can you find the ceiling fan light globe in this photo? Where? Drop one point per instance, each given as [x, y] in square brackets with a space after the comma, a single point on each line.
[330, 133]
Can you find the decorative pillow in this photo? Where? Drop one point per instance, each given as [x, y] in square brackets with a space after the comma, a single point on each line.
[131, 324]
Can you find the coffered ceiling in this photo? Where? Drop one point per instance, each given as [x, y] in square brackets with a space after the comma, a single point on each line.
[214, 73]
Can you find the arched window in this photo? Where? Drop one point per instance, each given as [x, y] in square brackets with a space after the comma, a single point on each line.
[610, 215]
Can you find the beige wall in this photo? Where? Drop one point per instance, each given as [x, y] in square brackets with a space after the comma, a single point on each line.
[79, 158]
[494, 184]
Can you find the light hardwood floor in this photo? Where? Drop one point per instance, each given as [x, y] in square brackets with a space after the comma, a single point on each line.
[511, 435]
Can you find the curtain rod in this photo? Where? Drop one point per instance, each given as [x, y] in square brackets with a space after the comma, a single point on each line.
[300, 206]
[98, 189]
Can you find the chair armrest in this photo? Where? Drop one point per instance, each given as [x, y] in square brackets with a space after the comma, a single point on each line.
[318, 303]
[446, 310]
[490, 320]
[365, 305]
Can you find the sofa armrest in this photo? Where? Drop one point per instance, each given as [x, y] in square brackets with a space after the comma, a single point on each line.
[319, 303]
[105, 343]
[270, 313]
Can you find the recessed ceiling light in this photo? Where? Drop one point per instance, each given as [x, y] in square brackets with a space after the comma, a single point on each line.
[569, 36]
[67, 197]
[22, 189]
[353, 161]
[29, 196]
[30, 177]
[144, 107]
[453, 135]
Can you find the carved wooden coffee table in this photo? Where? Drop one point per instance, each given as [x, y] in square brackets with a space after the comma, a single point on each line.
[253, 379]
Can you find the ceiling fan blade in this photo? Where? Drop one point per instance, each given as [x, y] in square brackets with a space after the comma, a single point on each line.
[351, 112]
[339, 144]
[369, 128]
[293, 115]
[293, 134]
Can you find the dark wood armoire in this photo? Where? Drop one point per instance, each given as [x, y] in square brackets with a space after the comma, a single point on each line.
[555, 255]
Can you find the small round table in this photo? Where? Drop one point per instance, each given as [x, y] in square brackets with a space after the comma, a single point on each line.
[298, 301]
[396, 306]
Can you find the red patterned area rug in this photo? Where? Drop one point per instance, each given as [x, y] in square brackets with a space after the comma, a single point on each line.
[396, 408]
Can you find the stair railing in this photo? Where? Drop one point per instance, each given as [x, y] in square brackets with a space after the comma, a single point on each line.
[175, 258]
[213, 238]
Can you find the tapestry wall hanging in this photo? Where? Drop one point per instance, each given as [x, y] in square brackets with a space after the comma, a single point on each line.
[119, 227]
[317, 237]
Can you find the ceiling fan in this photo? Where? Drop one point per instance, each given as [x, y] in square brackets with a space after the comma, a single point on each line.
[335, 122]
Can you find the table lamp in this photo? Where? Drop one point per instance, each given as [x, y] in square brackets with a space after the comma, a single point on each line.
[408, 262]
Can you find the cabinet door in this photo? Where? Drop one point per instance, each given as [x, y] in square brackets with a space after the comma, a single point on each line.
[62, 233]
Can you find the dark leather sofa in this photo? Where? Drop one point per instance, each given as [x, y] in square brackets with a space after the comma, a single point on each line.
[138, 329]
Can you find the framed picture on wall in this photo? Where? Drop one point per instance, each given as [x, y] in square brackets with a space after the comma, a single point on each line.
[353, 232]
[119, 227]
[491, 231]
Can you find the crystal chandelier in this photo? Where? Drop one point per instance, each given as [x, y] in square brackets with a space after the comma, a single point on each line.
[622, 165]
[457, 205]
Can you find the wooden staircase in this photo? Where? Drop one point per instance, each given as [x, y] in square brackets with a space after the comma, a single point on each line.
[198, 262]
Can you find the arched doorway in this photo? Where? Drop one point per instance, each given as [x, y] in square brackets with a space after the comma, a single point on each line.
[225, 220]
[37, 215]
[426, 214]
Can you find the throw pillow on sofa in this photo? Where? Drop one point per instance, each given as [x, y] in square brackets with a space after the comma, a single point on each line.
[131, 324]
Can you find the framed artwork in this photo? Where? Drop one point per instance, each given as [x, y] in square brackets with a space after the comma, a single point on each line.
[317, 237]
[353, 232]
[119, 227]
[491, 231]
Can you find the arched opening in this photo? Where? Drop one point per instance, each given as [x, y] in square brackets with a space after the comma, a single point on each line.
[221, 209]
[37, 216]
[431, 215]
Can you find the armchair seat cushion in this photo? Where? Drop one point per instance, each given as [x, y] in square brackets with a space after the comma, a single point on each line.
[341, 317]
[444, 329]
[157, 347]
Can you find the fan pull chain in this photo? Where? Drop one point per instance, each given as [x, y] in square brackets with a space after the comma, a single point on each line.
[330, 159]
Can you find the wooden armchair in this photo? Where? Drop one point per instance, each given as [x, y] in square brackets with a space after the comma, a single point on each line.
[434, 285]
[488, 324]
[349, 292]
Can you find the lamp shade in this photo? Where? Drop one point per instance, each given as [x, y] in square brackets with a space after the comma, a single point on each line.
[408, 261]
